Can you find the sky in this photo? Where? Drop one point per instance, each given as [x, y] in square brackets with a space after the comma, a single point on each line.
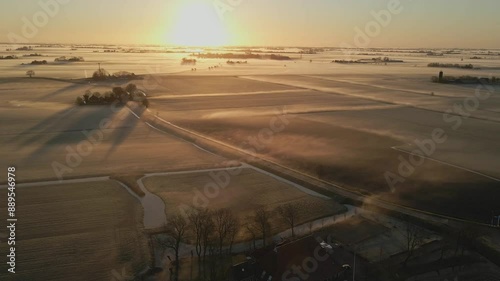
[332, 23]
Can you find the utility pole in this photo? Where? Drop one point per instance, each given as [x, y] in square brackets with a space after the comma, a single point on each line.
[99, 66]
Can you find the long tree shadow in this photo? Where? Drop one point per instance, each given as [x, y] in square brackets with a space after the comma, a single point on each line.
[71, 87]
[80, 119]
[127, 125]
[70, 130]
[40, 127]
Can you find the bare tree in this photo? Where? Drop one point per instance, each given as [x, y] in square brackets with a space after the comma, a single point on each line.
[225, 226]
[290, 214]
[176, 229]
[261, 220]
[234, 229]
[30, 73]
[207, 231]
[202, 227]
[414, 237]
[207, 237]
[251, 229]
[196, 220]
[164, 243]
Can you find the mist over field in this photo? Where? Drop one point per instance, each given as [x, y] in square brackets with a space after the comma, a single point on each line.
[250, 140]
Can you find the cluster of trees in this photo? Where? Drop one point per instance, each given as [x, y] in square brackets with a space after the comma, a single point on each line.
[385, 60]
[242, 56]
[72, 59]
[465, 80]
[347, 61]
[186, 61]
[124, 75]
[102, 74]
[434, 54]
[213, 233]
[310, 51]
[364, 61]
[456, 245]
[450, 65]
[118, 94]
[25, 48]
[276, 57]
[236, 62]
[39, 62]
[32, 55]
[11, 57]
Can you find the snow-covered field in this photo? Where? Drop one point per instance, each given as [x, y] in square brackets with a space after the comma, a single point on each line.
[349, 123]
[158, 61]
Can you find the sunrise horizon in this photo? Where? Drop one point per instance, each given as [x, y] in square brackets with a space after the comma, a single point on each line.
[243, 140]
[395, 23]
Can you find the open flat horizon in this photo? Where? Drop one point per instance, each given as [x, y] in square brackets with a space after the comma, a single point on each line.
[215, 140]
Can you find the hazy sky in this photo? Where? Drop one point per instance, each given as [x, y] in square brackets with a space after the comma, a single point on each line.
[421, 23]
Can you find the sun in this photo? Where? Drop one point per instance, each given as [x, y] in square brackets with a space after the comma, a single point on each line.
[197, 24]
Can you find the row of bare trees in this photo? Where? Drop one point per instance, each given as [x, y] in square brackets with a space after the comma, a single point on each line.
[260, 223]
[209, 232]
[213, 233]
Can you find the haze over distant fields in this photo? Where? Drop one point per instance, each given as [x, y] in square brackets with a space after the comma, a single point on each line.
[445, 23]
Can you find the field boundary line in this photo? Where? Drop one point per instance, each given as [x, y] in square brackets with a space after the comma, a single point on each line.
[342, 191]
[332, 92]
[58, 182]
[446, 163]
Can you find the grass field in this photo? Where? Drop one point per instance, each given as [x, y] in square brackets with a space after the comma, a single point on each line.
[80, 231]
[245, 193]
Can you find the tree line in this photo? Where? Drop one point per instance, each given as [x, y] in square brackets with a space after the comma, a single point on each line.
[451, 65]
[213, 234]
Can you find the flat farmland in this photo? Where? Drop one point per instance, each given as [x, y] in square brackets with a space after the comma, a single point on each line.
[406, 88]
[78, 231]
[181, 85]
[245, 193]
[353, 141]
[46, 130]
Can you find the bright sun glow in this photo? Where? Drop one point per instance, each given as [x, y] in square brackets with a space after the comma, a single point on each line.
[198, 25]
